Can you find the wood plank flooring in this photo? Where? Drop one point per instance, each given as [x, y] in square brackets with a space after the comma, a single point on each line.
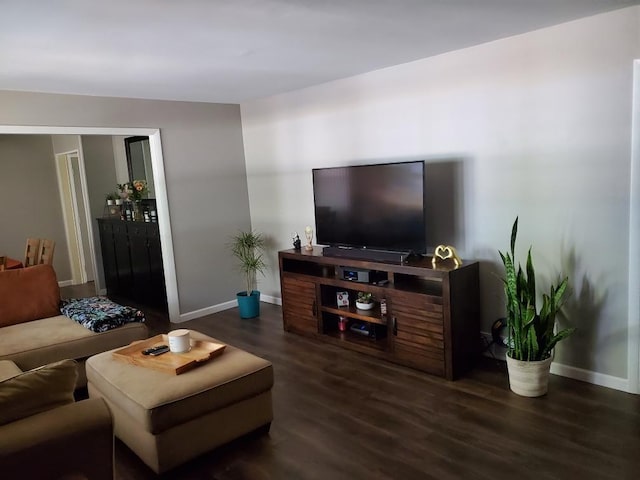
[343, 415]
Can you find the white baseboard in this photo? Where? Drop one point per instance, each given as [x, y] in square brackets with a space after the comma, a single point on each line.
[588, 376]
[65, 283]
[184, 317]
[270, 299]
[595, 378]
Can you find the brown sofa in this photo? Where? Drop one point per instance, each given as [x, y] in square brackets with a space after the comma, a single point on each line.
[34, 333]
[44, 433]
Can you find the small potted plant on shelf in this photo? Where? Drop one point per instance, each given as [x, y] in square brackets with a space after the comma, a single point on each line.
[531, 331]
[364, 301]
[248, 248]
[111, 198]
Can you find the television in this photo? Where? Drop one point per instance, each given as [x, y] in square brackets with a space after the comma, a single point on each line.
[378, 207]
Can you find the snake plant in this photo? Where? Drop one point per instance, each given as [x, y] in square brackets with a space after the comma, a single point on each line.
[531, 332]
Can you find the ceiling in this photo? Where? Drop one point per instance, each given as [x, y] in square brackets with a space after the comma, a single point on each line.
[231, 51]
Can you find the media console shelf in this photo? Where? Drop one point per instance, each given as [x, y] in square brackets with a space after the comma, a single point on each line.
[432, 319]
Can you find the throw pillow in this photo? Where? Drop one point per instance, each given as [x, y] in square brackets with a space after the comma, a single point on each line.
[37, 390]
[28, 294]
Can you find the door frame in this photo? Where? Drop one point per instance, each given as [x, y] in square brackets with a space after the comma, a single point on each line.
[64, 167]
[633, 369]
[162, 204]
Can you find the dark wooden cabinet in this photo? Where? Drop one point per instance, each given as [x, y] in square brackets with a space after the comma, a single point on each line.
[299, 305]
[132, 261]
[430, 319]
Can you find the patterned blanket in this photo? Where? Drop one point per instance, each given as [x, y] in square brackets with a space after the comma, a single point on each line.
[99, 314]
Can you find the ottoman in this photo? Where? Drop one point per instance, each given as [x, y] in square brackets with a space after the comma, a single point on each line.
[169, 419]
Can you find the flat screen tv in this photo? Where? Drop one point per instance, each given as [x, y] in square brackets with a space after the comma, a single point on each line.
[377, 207]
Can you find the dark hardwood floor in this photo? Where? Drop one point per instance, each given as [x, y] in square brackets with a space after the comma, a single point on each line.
[343, 415]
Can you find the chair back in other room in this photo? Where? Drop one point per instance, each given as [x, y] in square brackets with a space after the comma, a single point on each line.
[45, 253]
[3, 262]
[31, 252]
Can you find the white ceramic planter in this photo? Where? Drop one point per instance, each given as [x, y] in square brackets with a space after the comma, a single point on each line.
[364, 306]
[529, 379]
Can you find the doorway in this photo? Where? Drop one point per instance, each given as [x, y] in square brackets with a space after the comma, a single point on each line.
[164, 221]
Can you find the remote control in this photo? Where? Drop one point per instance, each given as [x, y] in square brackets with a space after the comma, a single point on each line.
[158, 350]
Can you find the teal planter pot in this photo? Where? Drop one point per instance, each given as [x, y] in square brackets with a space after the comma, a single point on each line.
[249, 305]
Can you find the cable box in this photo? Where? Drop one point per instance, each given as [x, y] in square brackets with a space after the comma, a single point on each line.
[360, 328]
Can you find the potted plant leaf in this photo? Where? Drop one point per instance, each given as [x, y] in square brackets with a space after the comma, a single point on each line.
[531, 331]
[248, 249]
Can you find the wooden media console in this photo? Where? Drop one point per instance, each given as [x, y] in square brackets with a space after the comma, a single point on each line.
[432, 318]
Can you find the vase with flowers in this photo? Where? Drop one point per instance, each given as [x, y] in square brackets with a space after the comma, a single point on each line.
[134, 192]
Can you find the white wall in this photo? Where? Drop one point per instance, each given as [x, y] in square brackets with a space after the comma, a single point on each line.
[542, 124]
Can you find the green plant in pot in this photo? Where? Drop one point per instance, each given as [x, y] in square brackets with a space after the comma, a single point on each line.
[531, 331]
[364, 301]
[248, 249]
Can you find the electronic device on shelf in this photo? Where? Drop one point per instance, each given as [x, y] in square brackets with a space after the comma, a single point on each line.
[367, 329]
[371, 211]
[360, 275]
[361, 328]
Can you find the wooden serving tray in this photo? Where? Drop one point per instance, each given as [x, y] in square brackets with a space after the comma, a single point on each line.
[175, 363]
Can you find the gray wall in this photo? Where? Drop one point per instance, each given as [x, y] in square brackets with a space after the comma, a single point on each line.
[204, 167]
[101, 179]
[30, 198]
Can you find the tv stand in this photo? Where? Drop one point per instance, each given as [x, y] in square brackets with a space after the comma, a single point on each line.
[423, 317]
[366, 254]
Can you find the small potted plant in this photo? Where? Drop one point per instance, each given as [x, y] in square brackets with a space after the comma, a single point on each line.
[111, 198]
[248, 248]
[364, 301]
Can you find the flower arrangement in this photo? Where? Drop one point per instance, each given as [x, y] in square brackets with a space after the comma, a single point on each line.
[135, 190]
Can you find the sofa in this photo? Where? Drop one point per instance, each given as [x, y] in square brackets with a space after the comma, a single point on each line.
[33, 332]
[45, 433]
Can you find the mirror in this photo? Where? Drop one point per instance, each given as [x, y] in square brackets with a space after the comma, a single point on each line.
[139, 161]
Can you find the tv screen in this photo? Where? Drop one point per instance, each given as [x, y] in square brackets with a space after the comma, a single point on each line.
[371, 206]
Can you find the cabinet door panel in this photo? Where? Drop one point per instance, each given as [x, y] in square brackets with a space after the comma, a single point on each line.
[139, 259]
[299, 305]
[123, 258]
[107, 246]
[422, 358]
[157, 285]
[419, 332]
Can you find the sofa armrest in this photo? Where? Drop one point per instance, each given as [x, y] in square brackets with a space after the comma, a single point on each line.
[72, 441]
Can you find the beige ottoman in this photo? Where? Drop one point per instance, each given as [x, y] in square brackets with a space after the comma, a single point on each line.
[169, 419]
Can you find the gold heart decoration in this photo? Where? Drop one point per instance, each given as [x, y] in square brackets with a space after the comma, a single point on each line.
[445, 252]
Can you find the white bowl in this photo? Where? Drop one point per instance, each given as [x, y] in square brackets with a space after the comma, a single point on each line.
[364, 306]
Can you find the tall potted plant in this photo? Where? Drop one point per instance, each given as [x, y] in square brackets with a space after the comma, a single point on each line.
[531, 332]
[248, 249]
